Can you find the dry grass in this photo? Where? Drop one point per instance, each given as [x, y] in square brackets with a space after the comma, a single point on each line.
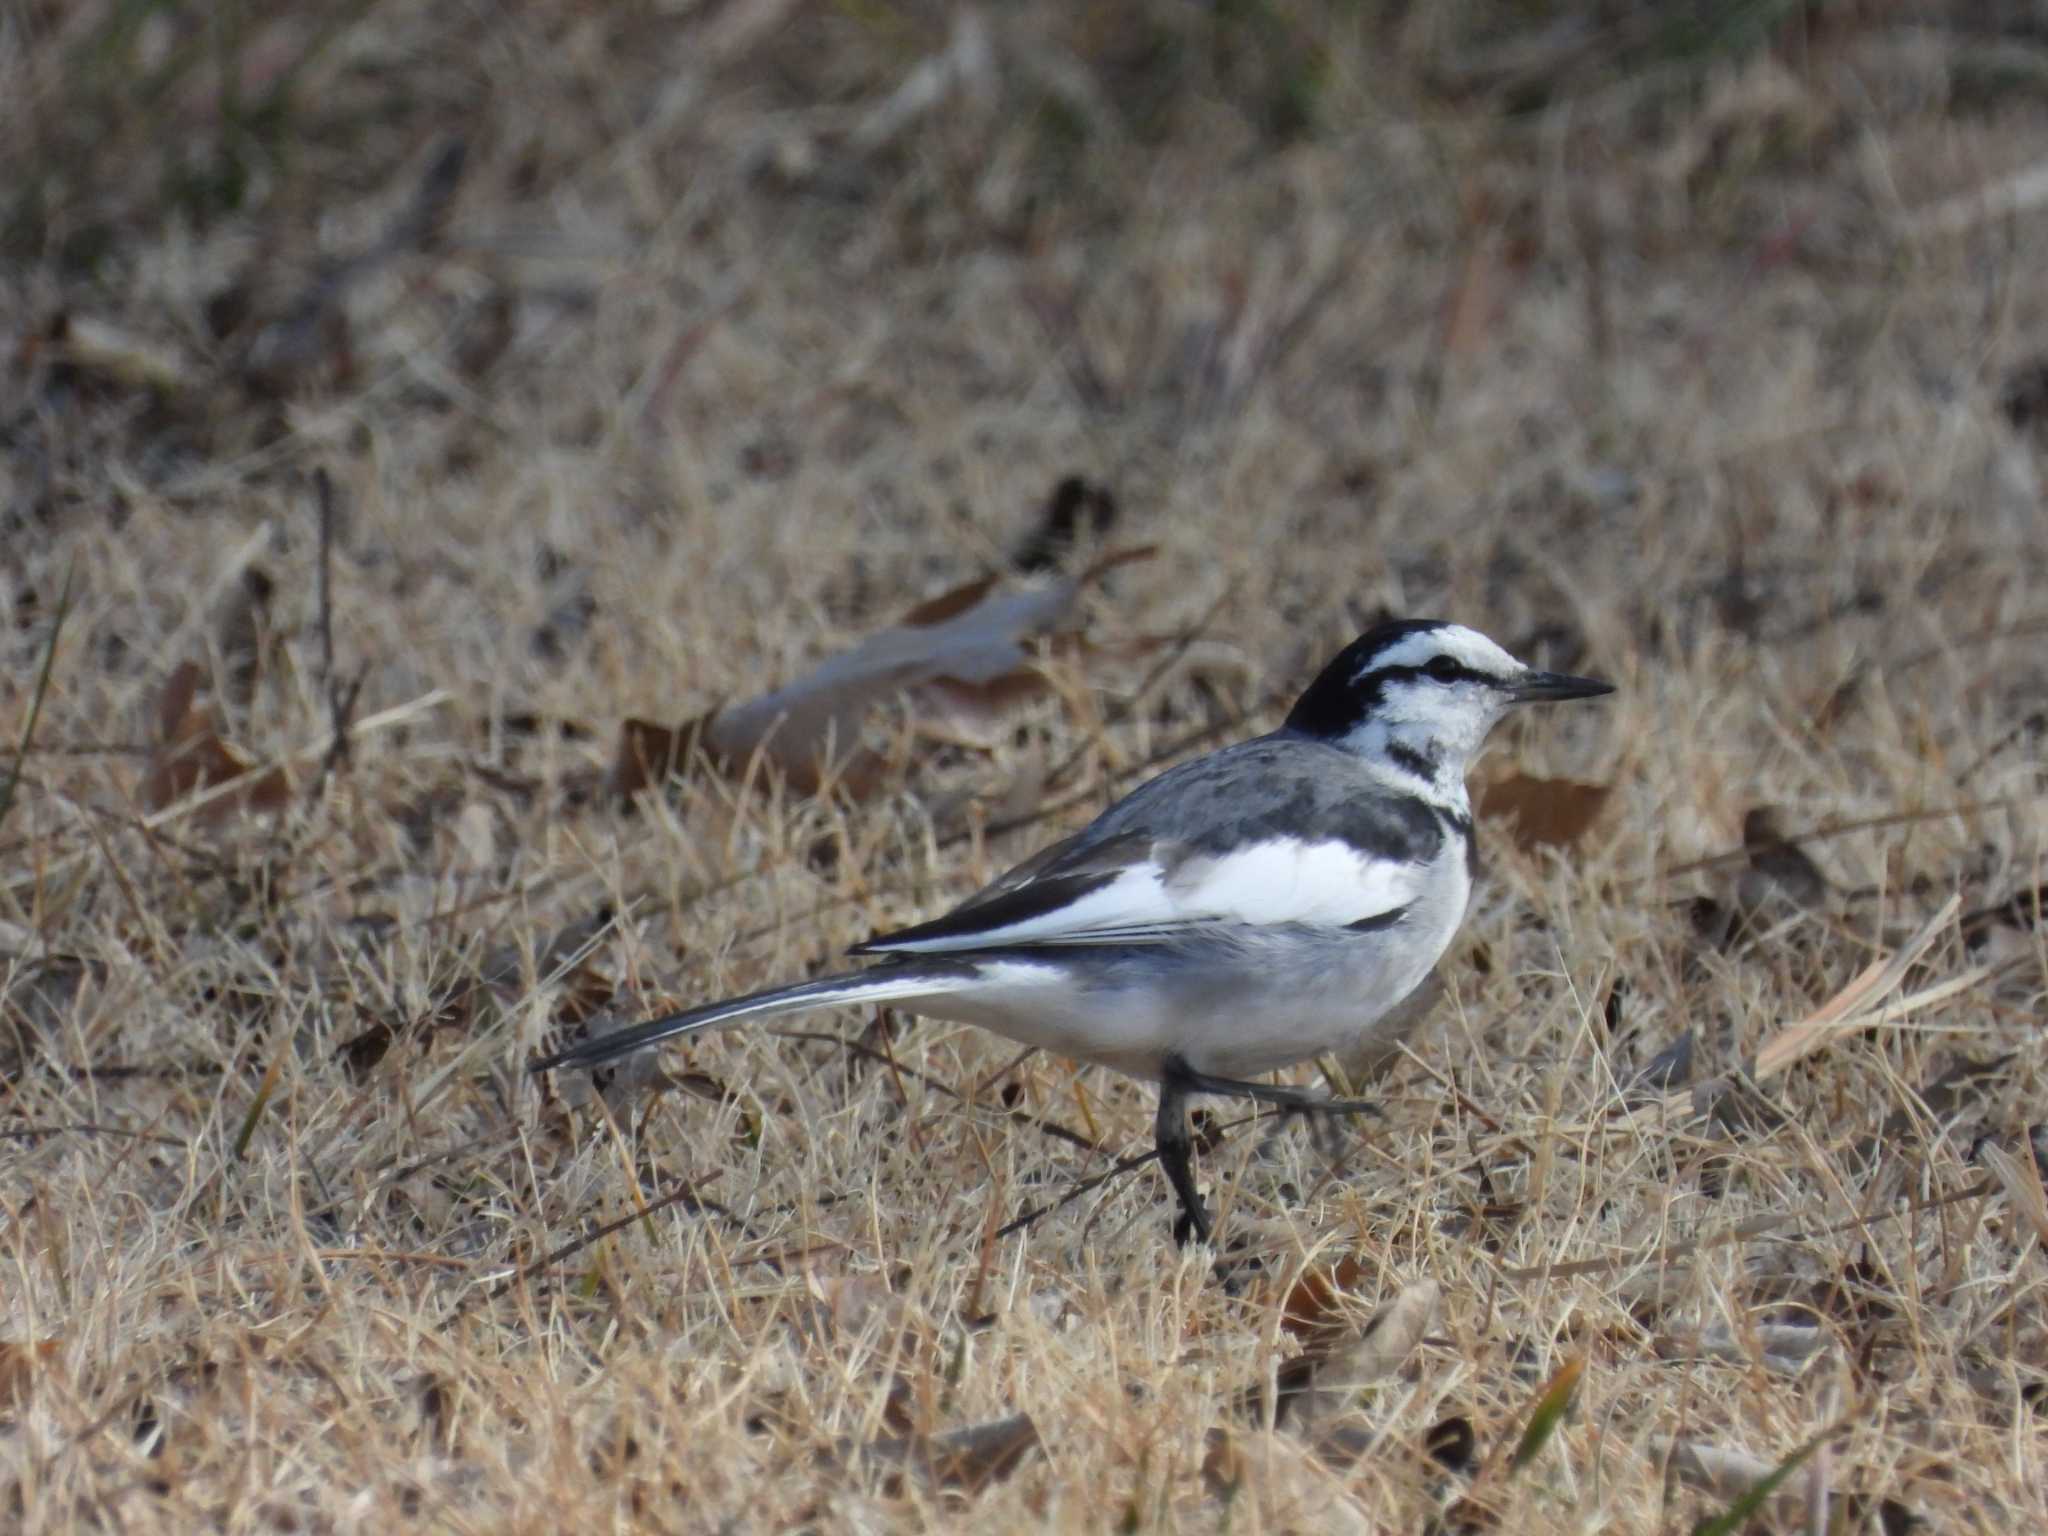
[1705, 368]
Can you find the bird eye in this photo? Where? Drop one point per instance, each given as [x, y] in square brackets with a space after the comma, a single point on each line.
[1444, 669]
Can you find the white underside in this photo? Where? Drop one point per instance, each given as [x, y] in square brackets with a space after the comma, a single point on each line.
[1225, 1009]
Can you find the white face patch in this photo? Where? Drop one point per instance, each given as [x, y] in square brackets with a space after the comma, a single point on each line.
[1465, 646]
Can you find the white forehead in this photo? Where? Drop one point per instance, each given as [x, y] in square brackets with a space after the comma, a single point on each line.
[1465, 646]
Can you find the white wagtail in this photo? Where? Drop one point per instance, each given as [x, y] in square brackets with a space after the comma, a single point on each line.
[1239, 913]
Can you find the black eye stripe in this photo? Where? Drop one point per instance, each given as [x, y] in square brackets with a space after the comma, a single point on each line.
[1458, 672]
[1354, 683]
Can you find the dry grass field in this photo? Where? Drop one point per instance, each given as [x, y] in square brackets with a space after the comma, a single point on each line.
[400, 398]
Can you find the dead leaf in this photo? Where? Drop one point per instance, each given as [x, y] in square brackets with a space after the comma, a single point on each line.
[949, 604]
[1223, 1464]
[959, 1461]
[1312, 1305]
[190, 754]
[1547, 813]
[650, 754]
[113, 352]
[1340, 1362]
[965, 653]
[1322, 1383]
[2023, 910]
[19, 1360]
[2020, 1178]
[1074, 501]
[1232, 1462]
[1786, 1349]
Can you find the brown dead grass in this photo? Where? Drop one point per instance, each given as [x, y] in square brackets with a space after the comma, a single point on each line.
[1707, 371]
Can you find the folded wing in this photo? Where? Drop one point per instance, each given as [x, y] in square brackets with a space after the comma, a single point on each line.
[1140, 889]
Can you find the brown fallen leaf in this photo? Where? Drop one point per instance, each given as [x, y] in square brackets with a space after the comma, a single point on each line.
[1314, 1301]
[961, 1460]
[190, 755]
[965, 653]
[1546, 813]
[19, 1361]
[1336, 1373]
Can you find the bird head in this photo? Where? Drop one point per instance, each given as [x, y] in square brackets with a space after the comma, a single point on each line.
[1420, 695]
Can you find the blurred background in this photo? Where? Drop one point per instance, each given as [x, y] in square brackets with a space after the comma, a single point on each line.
[1469, 305]
[888, 429]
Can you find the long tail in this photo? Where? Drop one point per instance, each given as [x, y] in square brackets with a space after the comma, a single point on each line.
[885, 983]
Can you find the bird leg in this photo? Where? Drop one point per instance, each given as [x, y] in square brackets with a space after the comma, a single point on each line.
[1177, 1082]
[1295, 1101]
[1170, 1136]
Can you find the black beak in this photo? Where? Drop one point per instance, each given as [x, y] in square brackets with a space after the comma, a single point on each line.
[1549, 687]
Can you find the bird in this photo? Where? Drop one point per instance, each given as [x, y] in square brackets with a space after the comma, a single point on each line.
[1241, 912]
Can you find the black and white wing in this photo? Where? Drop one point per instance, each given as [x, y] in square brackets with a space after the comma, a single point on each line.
[1140, 888]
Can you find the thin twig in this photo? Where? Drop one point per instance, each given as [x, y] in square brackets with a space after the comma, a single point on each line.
[35, 703]
[1834, 829]
[341, 697]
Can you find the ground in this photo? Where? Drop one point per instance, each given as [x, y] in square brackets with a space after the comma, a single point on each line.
[401, 398]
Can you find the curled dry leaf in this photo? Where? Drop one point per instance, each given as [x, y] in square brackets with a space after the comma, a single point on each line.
[2020, 1178]
[1328, 1379]
[20, 1359]
[1546, 813]
[113, 352]
[964, 655]
[1453, 1444]
[1313, 1304]
[190, 754]
[961, 1460]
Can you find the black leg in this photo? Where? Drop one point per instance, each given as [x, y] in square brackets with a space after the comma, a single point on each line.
[1170, 1136]
[1296, 1101]
[1177, 1081]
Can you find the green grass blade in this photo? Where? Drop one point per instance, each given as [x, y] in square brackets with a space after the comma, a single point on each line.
[1744, 1509]
[1548, 1413]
